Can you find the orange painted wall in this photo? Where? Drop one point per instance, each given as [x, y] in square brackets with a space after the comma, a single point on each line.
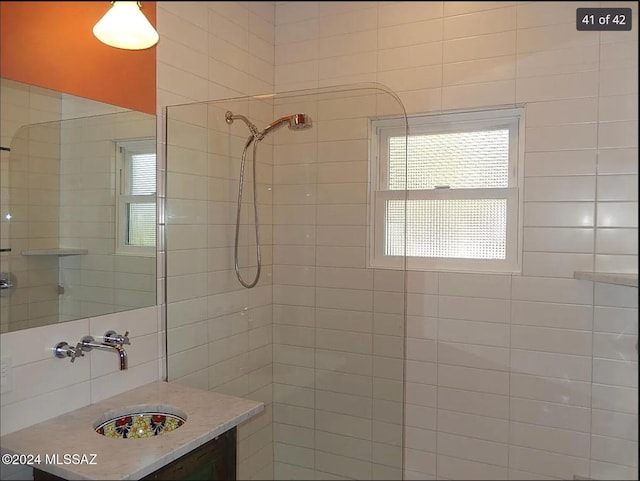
[51, 45]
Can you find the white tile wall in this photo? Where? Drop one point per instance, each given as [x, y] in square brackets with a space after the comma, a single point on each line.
[89, 379]
[219, 334]
[505, 374]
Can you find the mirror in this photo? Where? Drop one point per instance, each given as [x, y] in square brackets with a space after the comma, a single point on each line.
[77, 206]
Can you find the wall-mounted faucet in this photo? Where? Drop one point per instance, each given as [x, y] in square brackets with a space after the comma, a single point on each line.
[63, 349]
[112, 341]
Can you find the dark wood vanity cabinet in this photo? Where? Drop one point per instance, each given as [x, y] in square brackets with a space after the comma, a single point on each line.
[215, 460]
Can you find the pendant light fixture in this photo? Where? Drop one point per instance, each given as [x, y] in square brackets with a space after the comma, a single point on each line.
[125, 26]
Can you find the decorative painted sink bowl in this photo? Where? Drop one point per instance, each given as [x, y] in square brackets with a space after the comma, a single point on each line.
[140, 422]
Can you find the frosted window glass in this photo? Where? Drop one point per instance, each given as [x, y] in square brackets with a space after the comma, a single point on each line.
[460, 160]
[450, 228]
[142, 224]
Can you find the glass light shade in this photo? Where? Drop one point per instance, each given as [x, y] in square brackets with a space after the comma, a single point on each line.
[125, 26]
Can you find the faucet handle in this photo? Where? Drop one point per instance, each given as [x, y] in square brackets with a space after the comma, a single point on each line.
[77, 352]
[63, 349]
[112, 337]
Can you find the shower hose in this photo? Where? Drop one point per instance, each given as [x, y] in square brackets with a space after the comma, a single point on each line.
[255, 140]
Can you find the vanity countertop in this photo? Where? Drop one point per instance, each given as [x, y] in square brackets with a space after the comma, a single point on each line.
[209, 414]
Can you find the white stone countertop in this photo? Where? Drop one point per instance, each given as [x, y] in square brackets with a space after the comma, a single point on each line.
[209, 414]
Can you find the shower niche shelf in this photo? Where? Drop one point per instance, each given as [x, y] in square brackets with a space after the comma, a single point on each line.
[620, 279]
[55, 252]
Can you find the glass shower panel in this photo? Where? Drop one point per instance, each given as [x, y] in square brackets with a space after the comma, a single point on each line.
[320, 339]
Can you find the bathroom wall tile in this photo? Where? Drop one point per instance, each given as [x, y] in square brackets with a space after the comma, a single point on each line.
[616, 81]
[559, 214]
[341, 319]
[612, 471]
[456, 468]
[428, 77]
[344, 341]
[480, 380]
[616, 372]
[617, 161]
[479, 23]
[558, 239]
[341, 465]
[618, 187]
[473, 355]
[342, 445]
[548, 414]
[56, 374]
[479, 94]
[478, 450]
[401, 35]
[44, 406]
[556, 87]
[483, 404]
[551, 340]
[409, 57]
[551, 290]
[474, 332]
[480, 47]
[421, 372]
[619, 107]
[546, 463]
[551, 364]
[473, 309]
[422, 328]
[615, 296]
[343, 362]
[474, 285]
[477, 71]
[353, 16]
[398, 13]
[344, 383]
[615, 425]
[343, 425]
[549, 439]
[618, 134]
[422, 417]
[540, 189]
[473, 426]
[421, 394]
[121, 381]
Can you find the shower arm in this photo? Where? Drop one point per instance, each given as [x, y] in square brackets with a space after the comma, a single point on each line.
[255, 133]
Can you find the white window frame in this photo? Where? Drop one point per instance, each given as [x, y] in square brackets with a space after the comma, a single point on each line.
[380, 132]
[123, 197]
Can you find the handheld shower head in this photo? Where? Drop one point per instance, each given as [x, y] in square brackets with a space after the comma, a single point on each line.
[295, 121]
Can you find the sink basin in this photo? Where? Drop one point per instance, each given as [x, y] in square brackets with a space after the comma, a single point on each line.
[138, 422]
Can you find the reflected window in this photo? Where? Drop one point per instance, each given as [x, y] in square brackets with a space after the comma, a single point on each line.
[136, 188]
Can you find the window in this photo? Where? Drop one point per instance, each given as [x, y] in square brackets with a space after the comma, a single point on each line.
[446, 194]
[136, 187]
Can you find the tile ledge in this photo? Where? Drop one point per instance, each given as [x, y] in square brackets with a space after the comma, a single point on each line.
[620, 279]
[55, 252]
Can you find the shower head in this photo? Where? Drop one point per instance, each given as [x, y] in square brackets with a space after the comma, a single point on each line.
[295, 121]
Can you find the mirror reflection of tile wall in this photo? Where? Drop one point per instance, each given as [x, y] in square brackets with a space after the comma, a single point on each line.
[58, 186]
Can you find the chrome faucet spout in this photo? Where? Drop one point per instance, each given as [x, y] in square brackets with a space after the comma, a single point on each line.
[123, 357]
[88, 343]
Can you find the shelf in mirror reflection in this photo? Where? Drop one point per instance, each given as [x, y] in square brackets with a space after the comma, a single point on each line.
[55, 252]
